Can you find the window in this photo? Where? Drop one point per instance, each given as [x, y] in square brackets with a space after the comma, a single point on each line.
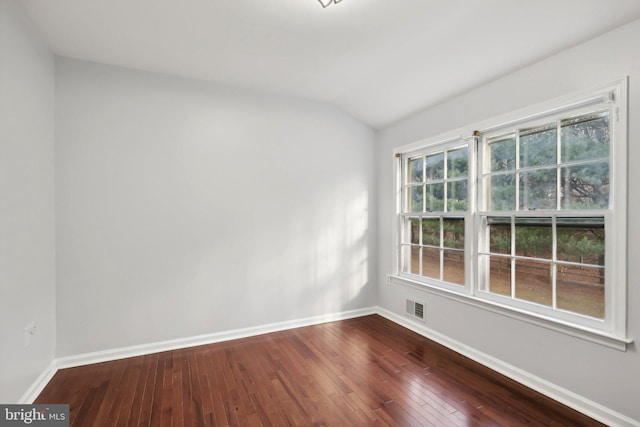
[527, 215]
[435, 203]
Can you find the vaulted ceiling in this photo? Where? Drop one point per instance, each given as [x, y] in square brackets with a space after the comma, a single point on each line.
[378, 60]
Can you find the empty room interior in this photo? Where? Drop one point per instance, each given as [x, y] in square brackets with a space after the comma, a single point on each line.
[317, 212]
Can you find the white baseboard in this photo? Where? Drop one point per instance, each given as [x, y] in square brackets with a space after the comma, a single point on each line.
[39, 384]
[139, 350]
[566, 397]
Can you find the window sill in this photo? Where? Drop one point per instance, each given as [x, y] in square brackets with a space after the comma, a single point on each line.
[598, 337]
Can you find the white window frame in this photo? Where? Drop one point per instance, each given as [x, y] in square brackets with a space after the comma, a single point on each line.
[612, 330]
[441, 146]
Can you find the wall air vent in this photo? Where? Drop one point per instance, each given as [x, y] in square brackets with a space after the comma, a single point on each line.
[415, 309]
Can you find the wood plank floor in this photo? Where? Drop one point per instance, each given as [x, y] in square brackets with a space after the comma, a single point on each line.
[360, 372]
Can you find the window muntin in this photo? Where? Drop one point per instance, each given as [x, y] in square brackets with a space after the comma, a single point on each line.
[554, 173]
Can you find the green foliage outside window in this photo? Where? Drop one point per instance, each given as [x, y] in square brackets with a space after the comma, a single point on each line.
[432, 172]
[583, 166]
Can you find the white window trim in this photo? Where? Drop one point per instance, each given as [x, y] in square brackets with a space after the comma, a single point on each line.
[614, 333]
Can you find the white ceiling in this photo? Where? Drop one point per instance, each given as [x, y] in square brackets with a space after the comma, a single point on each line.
[379, 60]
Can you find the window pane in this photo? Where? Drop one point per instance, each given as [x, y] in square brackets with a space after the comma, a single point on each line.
[453, 231]
[581, 290]
[533, 281]
[405, 258]
[538, 189]
[581, 240]
[538, 146]
[414, 196]
[585, 186]
[457, 196]
[415, 260]
[434, 167]
[585, 137]
[500, 275]
[534, 237]
[500, 235]
[502, 153]
[458, 163]
[453, 267]
[415, 170]
[431, 231]
[414, 230]
[435, 197]
[431, 262]
[410, 260]
[503, 192]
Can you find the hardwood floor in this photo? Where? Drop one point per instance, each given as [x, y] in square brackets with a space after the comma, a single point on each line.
[360, 372]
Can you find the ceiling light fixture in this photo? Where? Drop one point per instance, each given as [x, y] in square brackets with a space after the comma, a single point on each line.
[326, 3]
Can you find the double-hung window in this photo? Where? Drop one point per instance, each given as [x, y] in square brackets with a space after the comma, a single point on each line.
[435, 209]
[526, 214]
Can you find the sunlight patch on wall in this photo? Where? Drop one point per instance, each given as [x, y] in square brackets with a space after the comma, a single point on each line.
[340, 253]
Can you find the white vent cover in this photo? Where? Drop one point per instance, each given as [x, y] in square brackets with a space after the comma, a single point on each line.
[415, 309]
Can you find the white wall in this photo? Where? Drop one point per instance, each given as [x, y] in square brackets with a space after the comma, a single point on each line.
[603, 375]
[27, 261]
[187, 208]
